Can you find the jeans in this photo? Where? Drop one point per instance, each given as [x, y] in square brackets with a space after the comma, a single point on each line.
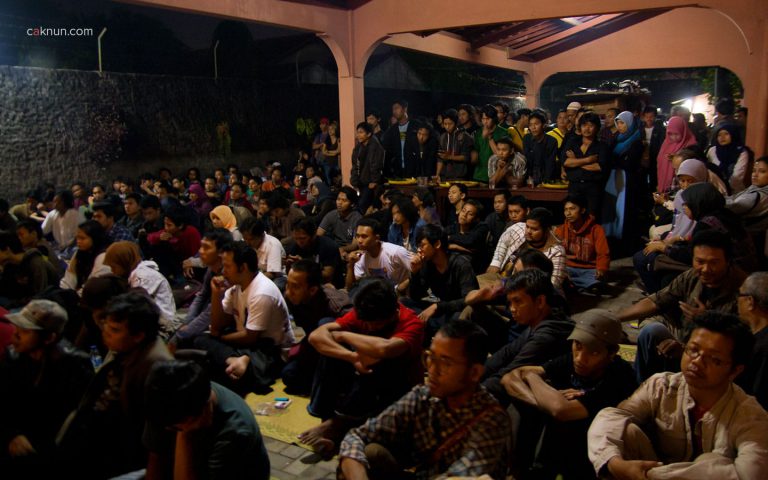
[299, 371]
[365, 199]
[582, 277]
[648, 361]
[644, 267]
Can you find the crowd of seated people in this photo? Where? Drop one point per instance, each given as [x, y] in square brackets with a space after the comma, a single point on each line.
[431, 340]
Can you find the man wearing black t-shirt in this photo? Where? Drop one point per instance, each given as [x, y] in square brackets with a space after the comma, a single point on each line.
[448, 278]
[557, 401]
[308, 245]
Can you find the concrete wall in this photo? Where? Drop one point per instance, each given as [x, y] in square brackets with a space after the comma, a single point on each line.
[61, 125]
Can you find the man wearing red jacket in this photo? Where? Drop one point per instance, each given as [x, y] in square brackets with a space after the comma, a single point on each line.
[588, 256]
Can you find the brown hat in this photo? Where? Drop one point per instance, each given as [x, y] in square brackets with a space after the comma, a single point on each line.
[40, 315]
[597, 329]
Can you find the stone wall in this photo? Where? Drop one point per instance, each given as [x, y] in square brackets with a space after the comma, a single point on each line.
[63, 125]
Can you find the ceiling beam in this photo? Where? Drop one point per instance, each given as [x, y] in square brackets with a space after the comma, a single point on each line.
[587, 36]
[516, 52]
[494, 36]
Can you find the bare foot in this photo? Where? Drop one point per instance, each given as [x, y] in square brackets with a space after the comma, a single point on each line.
[237, 366]
[317, 438]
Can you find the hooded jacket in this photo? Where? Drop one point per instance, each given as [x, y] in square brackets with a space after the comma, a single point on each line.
[585, 245]
[147, 276]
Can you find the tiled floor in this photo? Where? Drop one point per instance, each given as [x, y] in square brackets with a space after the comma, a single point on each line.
[291, 462]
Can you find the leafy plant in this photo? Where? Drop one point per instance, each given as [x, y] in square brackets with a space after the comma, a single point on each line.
[727, 83]
[306, 127]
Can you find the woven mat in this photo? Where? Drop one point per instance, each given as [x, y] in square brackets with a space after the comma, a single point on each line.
[628, 352]
[286, 426]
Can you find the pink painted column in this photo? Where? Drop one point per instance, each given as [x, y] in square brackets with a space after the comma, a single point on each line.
[756, 93]
[351, 112]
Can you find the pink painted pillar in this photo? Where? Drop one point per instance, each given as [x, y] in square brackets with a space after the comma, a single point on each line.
[757, 102]
[531, 91]
[351, 112]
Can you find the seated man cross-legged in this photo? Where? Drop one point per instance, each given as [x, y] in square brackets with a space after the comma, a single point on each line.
[694, 424]
[249, 323]
[368, 359]
[557, 401]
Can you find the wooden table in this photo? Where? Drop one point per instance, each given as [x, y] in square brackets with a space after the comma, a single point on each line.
[533, 194]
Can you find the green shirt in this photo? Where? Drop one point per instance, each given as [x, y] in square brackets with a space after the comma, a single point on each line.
[484, 152]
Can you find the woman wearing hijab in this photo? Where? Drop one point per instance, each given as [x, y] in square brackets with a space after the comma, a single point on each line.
[322, 203]
[125, 261]
[730, 156]
[705, 205]
[621, 191]
[678, 137]
[222, 217]
[199, 201]
[691, 172]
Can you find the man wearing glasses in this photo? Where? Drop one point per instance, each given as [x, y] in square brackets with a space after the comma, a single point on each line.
[448, 427]
[753, 310]
[693, 424]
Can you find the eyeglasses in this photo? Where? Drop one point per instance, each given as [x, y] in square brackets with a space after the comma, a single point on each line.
[442, 364]
[694, 353]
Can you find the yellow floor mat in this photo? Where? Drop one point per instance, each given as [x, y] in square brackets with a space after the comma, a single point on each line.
[628, 352]
[288, 425]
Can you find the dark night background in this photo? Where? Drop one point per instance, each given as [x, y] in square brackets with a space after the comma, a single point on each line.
[268, 78]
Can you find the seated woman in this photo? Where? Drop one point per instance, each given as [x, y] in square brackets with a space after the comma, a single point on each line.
[691, 171]
[730, 157]
[469, 235]
[322, 201]
[198, 200]
[300, 191]
[752, 204]
[425, 203]
[125, 261]
[88, 261]
[406, 224]
[177, 241]
[703, 204]
[222, 217]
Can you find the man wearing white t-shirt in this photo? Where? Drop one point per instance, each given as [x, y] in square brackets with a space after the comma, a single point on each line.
[376, 258]
[62, 222]
[268, 248]
[249, 323]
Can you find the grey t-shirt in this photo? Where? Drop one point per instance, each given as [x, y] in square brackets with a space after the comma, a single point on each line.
[340, 230]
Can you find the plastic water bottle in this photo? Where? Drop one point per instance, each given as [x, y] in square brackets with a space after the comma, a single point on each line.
[96, 359]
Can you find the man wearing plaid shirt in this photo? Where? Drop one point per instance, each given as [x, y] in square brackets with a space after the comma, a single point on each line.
[449, 427]
[104, 213]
